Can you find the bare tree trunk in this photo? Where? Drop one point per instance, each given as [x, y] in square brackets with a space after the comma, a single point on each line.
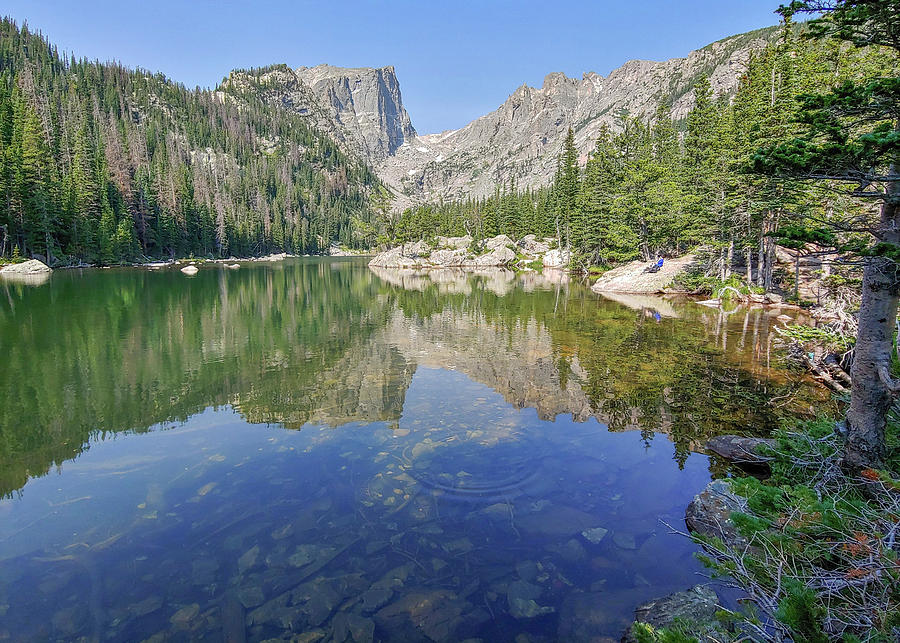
[797, 275]
[729, 259]
[872, 389]
[749, 266]
[761, 258]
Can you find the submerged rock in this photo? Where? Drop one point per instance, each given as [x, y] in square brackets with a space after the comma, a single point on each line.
[697, 605]
[248, 559]
[428, 615]
[595, 535]
[522, 597]
[376, 598]
[709, 513]
[556, 520]
[585, 617]
[183, 617]
[353, 627]
[70, 620]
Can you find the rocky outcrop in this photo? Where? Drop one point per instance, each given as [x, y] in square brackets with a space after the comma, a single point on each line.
[457, 252]
[366, 103]
[360, 108]
[709, 514]
[30, 267]
[697, 605]
[634, 277]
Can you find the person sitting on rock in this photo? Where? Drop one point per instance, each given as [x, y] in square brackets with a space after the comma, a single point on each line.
[656, 267]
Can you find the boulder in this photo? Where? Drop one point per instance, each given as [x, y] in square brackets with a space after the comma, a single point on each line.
[522, 598]
[405, 256]
[190, 270]
[585, 617]
[30, 267]
[557, 258]
[709, 514]
[697, 605]
[500, 241]
[497, 257]
[633, 277]
[531, 246]
[429, 615]
[740, 450]
[446, 258]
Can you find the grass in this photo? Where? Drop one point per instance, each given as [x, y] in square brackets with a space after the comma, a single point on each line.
[822, 564]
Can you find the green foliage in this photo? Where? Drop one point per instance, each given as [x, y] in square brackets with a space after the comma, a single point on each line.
[647, 191]
[102, 163]
[818, 539]
[804, 335]
[802, 612]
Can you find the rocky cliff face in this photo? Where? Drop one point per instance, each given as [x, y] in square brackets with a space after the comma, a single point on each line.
[363, 110]
[523, 137]
[360, 108]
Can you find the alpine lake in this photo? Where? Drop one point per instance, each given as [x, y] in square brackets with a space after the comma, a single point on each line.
[313, 450]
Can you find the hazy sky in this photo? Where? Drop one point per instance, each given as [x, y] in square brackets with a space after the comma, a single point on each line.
[455, 60]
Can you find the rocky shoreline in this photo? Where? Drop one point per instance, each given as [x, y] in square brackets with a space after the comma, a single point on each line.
[528, 253]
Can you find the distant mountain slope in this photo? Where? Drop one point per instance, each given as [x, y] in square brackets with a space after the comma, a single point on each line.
[522, 138]
[103, 163]
[360, 108]
[363, 110]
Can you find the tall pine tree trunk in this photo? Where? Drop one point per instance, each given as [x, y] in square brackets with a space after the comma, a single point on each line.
[871, 393]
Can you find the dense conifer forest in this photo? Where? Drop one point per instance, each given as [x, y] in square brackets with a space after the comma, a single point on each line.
[653, 187]
[101, 163]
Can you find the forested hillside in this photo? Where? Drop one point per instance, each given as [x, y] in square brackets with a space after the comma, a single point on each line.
[101, 163]
[654, 187]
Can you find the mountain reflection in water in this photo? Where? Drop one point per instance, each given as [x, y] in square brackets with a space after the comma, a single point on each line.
[461, 432]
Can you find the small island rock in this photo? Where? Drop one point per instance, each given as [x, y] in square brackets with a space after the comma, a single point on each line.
[30, 267]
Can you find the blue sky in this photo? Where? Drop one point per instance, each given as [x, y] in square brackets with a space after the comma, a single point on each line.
[455, 60]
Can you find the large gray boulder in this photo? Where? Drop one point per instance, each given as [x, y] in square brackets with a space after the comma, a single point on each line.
[30, 267]
[557, 258]
[500, 241]
[531, 246]
[634, 278]
[709, 514]
[697, 606]
[497, 257]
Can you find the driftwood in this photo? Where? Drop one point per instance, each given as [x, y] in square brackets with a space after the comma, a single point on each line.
[824, 375]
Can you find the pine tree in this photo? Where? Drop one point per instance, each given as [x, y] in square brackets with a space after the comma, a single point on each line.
[853, 136]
